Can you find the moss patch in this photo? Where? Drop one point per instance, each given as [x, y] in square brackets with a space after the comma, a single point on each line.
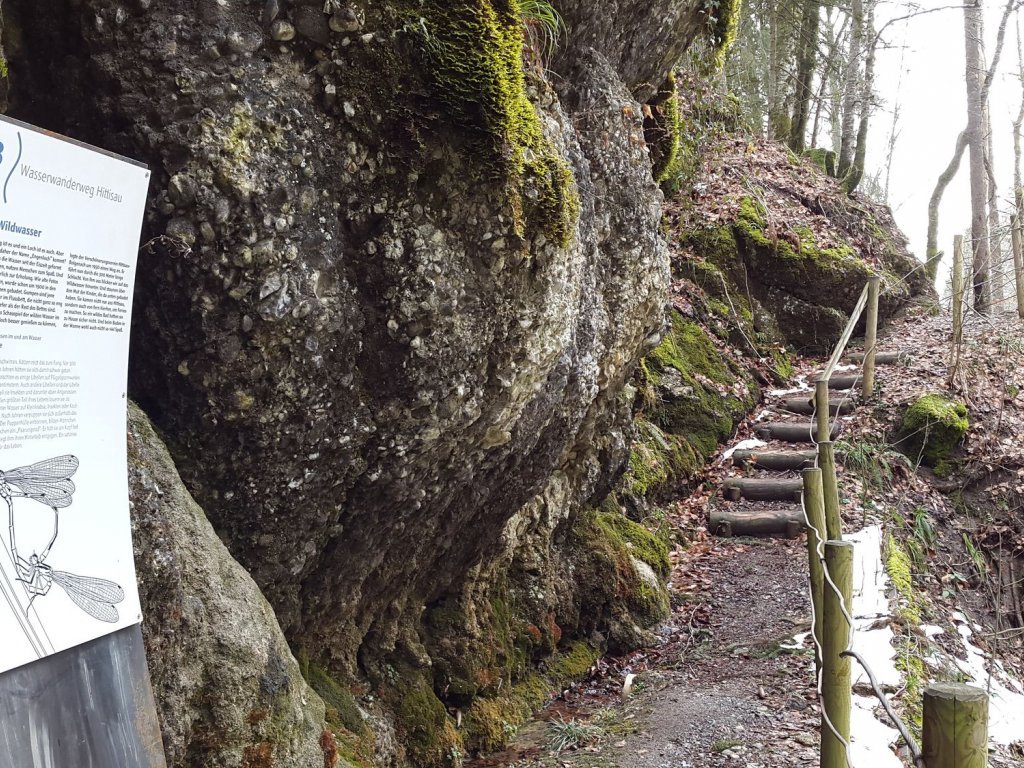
[932, 427]
[662, 130]
[473, 53]
[692, 396]
[491, 722]
[899, 567]
[428, 733]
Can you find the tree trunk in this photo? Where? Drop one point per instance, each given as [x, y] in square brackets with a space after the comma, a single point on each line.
[996, 277]
[851, 90]
[932, 253]
[852, 180]
[976, 153]
[807, 47]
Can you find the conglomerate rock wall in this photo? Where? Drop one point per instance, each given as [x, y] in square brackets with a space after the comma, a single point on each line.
[395, 280]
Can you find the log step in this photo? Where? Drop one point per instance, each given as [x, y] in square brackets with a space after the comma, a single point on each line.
[774, 460]
[881, 358]
[757, 522]
[844, 380]
[792, 431]
[769, 489]
[805, 406]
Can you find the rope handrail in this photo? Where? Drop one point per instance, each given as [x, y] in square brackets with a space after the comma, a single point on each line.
[858, 310]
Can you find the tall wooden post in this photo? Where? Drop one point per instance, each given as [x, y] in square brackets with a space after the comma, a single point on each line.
[830, 486]
[821, 408]
[1018, 258]
[955, 733]
[870, 338]
[835, 679]
[958, 308]
[814, 506]
[958, 285]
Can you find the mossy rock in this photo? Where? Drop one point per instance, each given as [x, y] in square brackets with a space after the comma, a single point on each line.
[932, 427]
[472, 53]
[662, 130]
[429, 734]
[824, 159]
[622, 571]
[689, 405]
[492, 721]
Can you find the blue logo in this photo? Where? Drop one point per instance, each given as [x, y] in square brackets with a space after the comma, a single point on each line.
[13, 167]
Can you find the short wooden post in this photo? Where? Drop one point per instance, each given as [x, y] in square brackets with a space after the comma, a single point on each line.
[821, 407]
[830, 485]
[955, 733]
[814, 506]
[1018, 258]
[835, 679]
[870, 338]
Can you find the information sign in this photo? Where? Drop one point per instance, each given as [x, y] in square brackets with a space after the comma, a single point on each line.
[70, 217]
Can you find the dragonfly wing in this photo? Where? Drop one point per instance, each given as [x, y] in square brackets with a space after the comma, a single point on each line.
[94, 596]
[47, 481]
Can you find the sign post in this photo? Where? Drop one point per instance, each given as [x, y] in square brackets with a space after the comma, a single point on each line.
[70, 217]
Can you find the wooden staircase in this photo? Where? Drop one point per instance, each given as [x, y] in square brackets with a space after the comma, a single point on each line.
[761, 497]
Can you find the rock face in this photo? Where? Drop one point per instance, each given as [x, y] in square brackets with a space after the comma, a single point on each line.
[394, 285]
[228, 690]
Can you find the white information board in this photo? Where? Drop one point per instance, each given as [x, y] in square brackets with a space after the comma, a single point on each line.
[70, 217]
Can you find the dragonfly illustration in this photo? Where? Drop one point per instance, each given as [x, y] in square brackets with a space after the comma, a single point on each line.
[47, 482]
[97, 597]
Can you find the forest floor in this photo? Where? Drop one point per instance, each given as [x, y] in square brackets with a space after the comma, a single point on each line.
[731, 682]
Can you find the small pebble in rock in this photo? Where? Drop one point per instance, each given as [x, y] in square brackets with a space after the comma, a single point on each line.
[282, 31]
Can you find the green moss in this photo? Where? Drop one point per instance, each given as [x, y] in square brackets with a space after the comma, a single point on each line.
[473, 53]
[825, 159]
[932, 427]
[342, 711]
[658, 460]
[650, 547]
[491, 722]
[899, 567]
[724, 20]
[697, 404]
[663, 130]
[428, 732]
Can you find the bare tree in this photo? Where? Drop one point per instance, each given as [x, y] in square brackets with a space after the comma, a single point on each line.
[851, 89]
[807, 54]
[973, 30]
[932, 253]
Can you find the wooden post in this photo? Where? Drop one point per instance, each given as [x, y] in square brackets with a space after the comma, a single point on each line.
[958, 286]
[814, 506]
[1018, 258]
[835, 678]
[830, 485]
[870, 338]
[958, 307]
[821, 407]
[955, 733]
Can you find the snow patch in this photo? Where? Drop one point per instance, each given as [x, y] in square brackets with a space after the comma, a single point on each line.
[743, 445]
[1005, 693]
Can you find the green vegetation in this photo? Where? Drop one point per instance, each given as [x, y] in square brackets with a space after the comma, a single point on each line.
[723, 744]
[543, 25]
[932, 427]
[473, 53]
[689, 403]
[572, 734]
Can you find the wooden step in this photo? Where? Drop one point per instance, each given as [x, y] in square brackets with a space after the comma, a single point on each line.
[792, 431]
[767, 489]
[881, 358]
[774, 460]
[787, 522]
[844, 380]
[805, 406]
